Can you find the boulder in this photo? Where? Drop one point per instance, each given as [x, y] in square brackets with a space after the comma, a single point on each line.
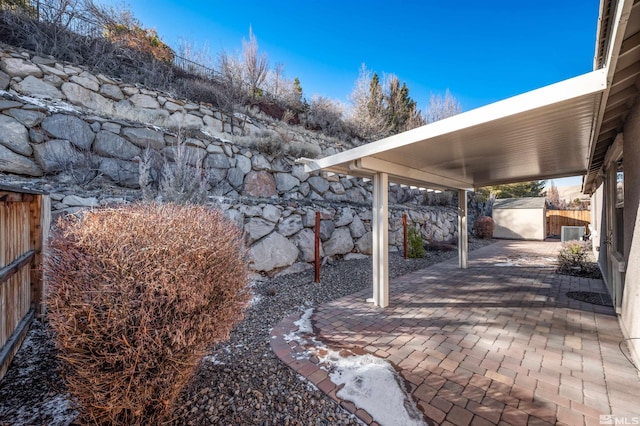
[38, 88]
[73, 129]
[217, 161]
[76, 201]
[111, 145]
[235, 177]
[112, 91]
[339, 243]
[326, 229]
[78, 95]
[305, 241]
[290, 225]
[345, 217]
[364, 244]
[27, 117]
[285, 182]
[271, 213]
[259, 184]
[319, 184]
[337, 188]
[186, 154]
[275, 251]
[144, 138]
[243, 163]
[183, 120]
[256, 228]
[57, 155]
[4, 80]
[357, 227]
[14, 136]
[124, 173]
[17, 67]
[259, 162]
[298, 172]
[10, 162]
[144, 101]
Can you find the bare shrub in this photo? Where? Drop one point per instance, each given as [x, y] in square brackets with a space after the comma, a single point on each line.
[326, 115]
[484, 227]
[136, 295]
[573, 256]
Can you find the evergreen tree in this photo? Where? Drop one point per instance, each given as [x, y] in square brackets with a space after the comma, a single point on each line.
[534, 188]
[297, 93]
[402, 111]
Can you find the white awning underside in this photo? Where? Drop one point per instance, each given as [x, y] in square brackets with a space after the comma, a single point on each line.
[541, 134]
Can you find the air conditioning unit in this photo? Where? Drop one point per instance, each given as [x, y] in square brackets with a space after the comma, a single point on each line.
[570, 233]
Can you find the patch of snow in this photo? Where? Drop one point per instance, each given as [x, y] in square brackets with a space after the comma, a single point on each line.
[213, 359]
[507, 263]
[372, 384]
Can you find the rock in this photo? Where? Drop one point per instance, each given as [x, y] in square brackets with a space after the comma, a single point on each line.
[290, 225]
[78, 95]
[345, 217]
[26, 117]
[271, 213]
[112, 91]
[144, 138]
[256, 228]
[85, 81]
[355, 256]
[355, 196]
[281, 165]
[298, 172]
[10, 162]
[275, 251]
[36, 135]
[319, 184]
[251, 211]
[111, 127]
[326, 229]
[357, 227]
[144, 101]
[14, 136]
[122, 172]
[4, 104]
[285, 182]
[71, 128]
[365, 243]
[304, 189]
[51, 70]
[305, 241]
[184, 153]
[243, 163]
[38, 88]
[218, 161]
[235, 216]
[111, 145]
[259, 162]
[57, 155]
[16, 67]
[295, 269]
[4, 80]
[76, 201]
[339, 243]
[337, 188]
[235, 177]
[182, 120]
[259, 184]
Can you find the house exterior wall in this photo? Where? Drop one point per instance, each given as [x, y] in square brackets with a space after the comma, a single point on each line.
[519, 224]
[630, 315]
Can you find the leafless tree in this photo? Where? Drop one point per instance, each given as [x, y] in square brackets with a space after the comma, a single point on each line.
[255, 64]
[441, 107]
[366, 115]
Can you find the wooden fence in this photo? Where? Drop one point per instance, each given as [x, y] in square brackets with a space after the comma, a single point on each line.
[556, 219]
[24, 225]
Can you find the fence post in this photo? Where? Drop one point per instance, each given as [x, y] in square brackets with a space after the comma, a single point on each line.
[404, 230]
[317, 249]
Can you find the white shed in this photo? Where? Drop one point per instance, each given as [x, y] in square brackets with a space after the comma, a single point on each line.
[520, 218]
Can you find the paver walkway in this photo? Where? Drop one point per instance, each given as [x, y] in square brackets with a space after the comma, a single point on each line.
[497, 343]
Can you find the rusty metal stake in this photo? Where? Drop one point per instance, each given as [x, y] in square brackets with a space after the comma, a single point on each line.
[317, 248]
[404, 227]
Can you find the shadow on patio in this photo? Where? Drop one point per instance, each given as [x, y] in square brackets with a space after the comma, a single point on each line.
[498, 343]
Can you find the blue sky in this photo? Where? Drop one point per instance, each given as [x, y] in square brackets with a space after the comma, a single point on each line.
[481, 51]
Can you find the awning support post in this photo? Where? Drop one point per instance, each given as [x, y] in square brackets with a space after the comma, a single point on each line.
[463, 235]
[380, 233]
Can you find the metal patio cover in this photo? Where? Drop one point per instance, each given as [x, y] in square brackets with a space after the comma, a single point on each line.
[541, 134]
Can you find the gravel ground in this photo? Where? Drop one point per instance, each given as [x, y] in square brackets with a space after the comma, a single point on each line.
[241, 382]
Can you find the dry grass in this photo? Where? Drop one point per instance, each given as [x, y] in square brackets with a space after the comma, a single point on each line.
[137, 294]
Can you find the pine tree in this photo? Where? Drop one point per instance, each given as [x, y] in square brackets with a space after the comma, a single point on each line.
[297, 92]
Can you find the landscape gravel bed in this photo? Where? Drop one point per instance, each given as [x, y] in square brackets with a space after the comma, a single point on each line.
[241, 381]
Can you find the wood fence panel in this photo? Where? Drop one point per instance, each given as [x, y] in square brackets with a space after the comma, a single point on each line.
[24, 225]
[556, 219]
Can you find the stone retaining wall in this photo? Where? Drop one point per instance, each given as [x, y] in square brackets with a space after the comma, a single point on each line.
[81, 137]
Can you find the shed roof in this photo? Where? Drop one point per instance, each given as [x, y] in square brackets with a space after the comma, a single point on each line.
[519, 203]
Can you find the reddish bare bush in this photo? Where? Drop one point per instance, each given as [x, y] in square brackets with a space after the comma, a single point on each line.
[136, 296]
[484, 227]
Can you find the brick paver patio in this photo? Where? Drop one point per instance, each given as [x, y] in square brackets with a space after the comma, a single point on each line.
[497, 343]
